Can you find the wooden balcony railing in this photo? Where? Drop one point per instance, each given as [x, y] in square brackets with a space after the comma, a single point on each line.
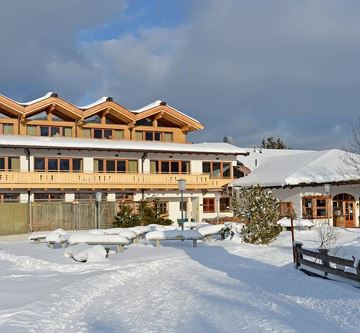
[64, 180]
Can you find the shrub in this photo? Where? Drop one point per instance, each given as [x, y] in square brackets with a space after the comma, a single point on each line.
[147, 214]
[261, 209]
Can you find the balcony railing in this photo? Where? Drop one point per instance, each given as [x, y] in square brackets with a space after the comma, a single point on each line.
[62, 180]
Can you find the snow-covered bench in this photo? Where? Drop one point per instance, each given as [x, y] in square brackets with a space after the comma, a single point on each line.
[182, 235]
[131, 235]
[37, 237]
[211, 230]
[111, 240]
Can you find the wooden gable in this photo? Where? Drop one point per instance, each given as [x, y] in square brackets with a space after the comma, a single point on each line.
[172, 117]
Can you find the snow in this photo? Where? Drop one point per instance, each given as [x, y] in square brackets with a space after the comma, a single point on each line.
[303, 168]
[100, 239]
[218, 287]
[210, 229]
[129, 234]
[158, 103]
[80, 143]
[86, 253]
[47, 95]
[57, 236]
[286, 223]
[173, 234]
[97, 102]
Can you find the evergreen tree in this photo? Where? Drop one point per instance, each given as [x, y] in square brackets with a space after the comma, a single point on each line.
[261, 210]
[273, 143]
[147, 214]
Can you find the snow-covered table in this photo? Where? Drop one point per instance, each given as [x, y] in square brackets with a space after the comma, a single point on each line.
[182, 235]
[211, 230]
[91, 239]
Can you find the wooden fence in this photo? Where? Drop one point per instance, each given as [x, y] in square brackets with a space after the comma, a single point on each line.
[329, 264]
[15, 218]
[71, 216]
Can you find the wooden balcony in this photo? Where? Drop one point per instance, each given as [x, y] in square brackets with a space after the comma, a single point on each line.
[64, 180]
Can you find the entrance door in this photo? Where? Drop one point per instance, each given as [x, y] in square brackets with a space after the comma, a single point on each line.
[344, 210]
[349, 214]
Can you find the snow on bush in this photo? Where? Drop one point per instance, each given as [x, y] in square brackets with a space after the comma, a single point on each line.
[173, 234]
[235, 230]
[286, 223]
[261, 210]
[86, 253]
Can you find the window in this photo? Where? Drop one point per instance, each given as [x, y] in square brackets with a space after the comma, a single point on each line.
[154, 136]
[103, 133]
[209, 205]
[6, 128]
[170, 167]
[285, 209]
[115, 166]
[55, 164]
[9, 163]
[162, 208]
[315, 207]
[217, 169]
[224, 204]
[9, 197]
[49, 196]
[45, 130]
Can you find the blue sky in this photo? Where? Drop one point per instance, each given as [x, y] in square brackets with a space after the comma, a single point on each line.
[253, 68]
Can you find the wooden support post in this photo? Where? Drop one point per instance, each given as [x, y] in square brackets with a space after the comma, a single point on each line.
[157, 243]
[222, 235]
[325, 261]
[194, 242]
[358, 270]
[297, 246]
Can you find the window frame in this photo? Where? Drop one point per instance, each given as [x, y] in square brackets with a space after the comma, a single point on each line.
[58, 159]
[159, 164]
[221, 163]
[7, 164]
[209, 205]
[106, 160]
[311, 212]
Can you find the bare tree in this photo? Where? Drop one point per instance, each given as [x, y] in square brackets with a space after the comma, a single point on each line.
[352, 159]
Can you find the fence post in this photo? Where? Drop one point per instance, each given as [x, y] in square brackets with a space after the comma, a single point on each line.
[297, 246]
[358, 270]
[325, 261]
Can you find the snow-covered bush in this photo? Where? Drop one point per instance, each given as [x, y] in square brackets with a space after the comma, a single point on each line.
[261, 210]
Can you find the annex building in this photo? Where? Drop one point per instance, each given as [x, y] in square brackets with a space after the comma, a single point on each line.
[52, 151]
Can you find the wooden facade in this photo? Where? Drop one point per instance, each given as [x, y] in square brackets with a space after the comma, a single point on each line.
[105, 120]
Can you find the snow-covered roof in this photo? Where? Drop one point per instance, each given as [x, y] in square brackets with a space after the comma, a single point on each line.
[258, 155]
[158, 103]
[97, 144]
[97, 102]
[311, 167]
[47, 95]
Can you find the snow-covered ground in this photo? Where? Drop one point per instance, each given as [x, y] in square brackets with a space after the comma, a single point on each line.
[221, 286]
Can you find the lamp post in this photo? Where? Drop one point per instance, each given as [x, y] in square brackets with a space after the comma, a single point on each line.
[182, 187]
[98, 196]
[217, 201]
